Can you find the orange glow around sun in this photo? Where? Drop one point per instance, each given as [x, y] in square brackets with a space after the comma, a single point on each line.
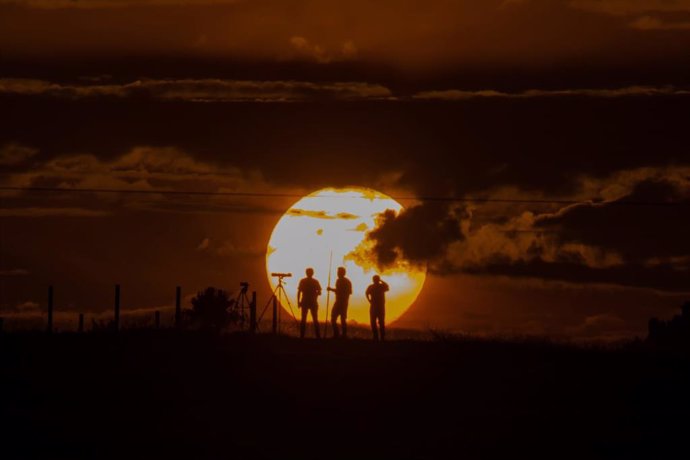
[336, 220]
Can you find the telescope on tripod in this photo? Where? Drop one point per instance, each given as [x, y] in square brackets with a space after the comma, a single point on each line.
[276, 301]
[242, 304]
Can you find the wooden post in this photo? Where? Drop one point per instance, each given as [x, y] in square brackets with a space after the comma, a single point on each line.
[50, 309]
[178, 307]
[252, 314]
[275, 315]
[116, 319]
[2, 320]
[81, 323]
[158, 319]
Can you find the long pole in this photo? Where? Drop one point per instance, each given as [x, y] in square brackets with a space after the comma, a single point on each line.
[178, 307]
[116, 318]
[328, 293]
[50, 309]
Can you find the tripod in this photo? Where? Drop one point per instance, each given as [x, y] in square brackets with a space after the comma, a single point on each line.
[241, 304]
[278, 295]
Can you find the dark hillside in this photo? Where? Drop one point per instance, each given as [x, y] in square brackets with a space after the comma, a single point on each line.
[166, 395]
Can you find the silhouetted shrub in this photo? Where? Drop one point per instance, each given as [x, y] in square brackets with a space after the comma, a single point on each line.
[211, 309]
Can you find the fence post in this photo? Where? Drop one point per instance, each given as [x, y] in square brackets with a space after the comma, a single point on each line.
[158, 319]
[252, 314]
[2, 320]
[81, 323]
[116, 322]
[178, 307]
[50, 309]
[275, 315]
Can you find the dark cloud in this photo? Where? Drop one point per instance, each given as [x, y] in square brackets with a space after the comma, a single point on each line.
[419, 235]
[655, 225]
[636, 235]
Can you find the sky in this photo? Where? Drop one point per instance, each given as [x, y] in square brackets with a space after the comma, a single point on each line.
[569, 116]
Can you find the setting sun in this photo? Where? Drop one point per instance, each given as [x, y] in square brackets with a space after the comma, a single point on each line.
[336, 221]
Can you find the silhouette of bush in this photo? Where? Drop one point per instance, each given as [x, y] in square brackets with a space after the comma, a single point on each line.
[211, 309]
[672, 333]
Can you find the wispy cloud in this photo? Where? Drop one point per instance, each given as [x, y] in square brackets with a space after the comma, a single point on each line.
[628, 7]
[321, 214]
[647, 15]
[319, 53]
[14, 272]
[229, 248]
[52, 212]
[653, 23]
[202, 90]
[217, 90]
[148, 172]
[13, 154]
[97, 4]
[629, 91]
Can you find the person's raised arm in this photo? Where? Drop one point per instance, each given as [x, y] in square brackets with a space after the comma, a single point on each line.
[385, 286]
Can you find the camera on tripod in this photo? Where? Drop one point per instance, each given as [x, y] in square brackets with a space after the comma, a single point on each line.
[282, 275]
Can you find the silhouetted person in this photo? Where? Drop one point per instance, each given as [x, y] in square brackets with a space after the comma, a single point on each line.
[376, 295]
[343, 291]
[308, 293]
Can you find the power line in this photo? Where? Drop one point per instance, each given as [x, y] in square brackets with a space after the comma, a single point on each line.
[423, 198]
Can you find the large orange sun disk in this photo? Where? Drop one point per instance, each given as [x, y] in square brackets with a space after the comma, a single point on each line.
[335, 221]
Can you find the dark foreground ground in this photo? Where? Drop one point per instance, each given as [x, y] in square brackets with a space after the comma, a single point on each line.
[166, 395]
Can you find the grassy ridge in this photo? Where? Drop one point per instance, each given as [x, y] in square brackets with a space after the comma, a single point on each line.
[155, 394]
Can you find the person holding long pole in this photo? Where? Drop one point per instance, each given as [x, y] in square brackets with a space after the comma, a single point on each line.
[343, 291]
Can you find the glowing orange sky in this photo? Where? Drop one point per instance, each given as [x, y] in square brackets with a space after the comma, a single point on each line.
[412, 34]
[565, 100]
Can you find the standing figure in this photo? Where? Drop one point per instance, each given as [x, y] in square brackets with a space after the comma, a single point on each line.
[343, 291]
[308, 293]
[376, 295]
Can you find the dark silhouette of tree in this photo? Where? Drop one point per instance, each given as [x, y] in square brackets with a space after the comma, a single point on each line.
[211, 309]
[674, 333]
